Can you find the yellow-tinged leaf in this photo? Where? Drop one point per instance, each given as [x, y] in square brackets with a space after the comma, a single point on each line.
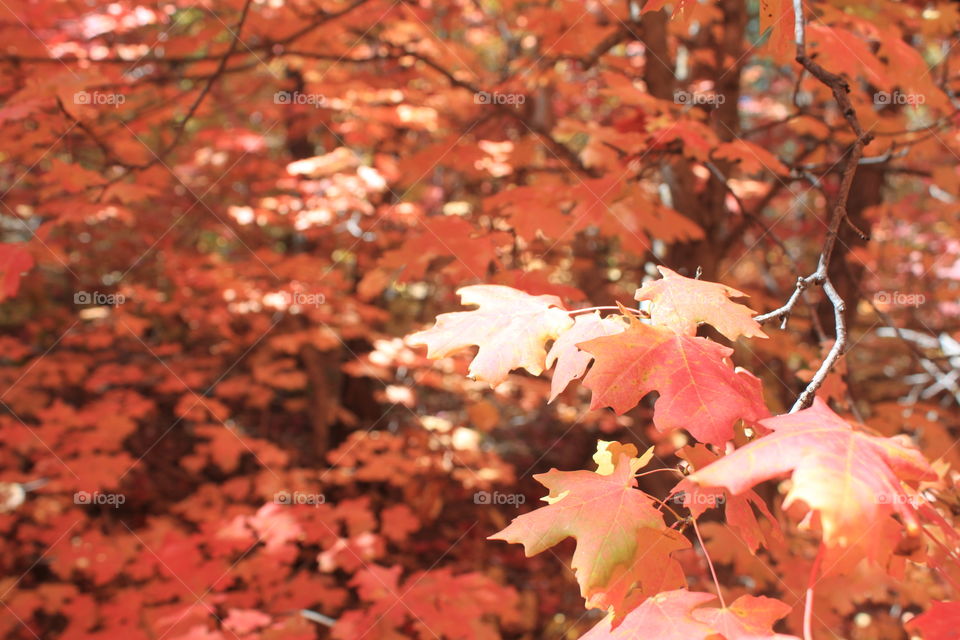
[623, 547]
[609, 452]
[571, 361]
[851, 478]
[682, 303]
[510, 328]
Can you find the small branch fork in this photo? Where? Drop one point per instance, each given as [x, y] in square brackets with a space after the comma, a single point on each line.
[840, 88]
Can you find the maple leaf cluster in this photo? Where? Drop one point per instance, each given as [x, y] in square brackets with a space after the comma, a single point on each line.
[220, 221]
[860, 491]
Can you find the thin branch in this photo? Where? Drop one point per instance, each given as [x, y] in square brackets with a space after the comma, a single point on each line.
[319, 618]
[206, 88]
[840, 88]
[836, 351]
[750, 215]
[606, 308]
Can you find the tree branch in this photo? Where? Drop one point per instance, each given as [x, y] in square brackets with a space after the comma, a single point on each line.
[840, 88]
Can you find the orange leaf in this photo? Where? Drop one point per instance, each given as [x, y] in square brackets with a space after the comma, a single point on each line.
[621, 537]
[666, 616]
[940, 622]
[682, 303]
[748, 618]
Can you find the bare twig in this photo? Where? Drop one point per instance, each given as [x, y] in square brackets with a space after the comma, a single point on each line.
[836, 351]
[783, 313]
[319, 618]
[840, 88]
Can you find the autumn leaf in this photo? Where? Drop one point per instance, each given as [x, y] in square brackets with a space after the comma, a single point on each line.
[848, 53]
[609, 452]
[680, 7]
[398, 522]
[665, 616]
[452, 238]
[623, 545]
[699, 389]
[510, 327]
[939, 622]
[243, 621]
[571, 361]
[677, 615]
[276, 444]
[483, 415]
[778, 17]
[737, 509]
[338, 160]
[751, 158]
[852, 479]
[682, 303]
[547, 200]
[747, 618]
[14, 261]
[436, 603]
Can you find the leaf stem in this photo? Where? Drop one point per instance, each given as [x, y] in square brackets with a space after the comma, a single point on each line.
[607, 308]
[949, 553]
[646, 473]
[808, 605]
[706, 555]
[669, 508]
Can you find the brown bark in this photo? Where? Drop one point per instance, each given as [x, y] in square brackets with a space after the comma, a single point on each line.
[846, 273]
[323, 394]
[708, 209]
